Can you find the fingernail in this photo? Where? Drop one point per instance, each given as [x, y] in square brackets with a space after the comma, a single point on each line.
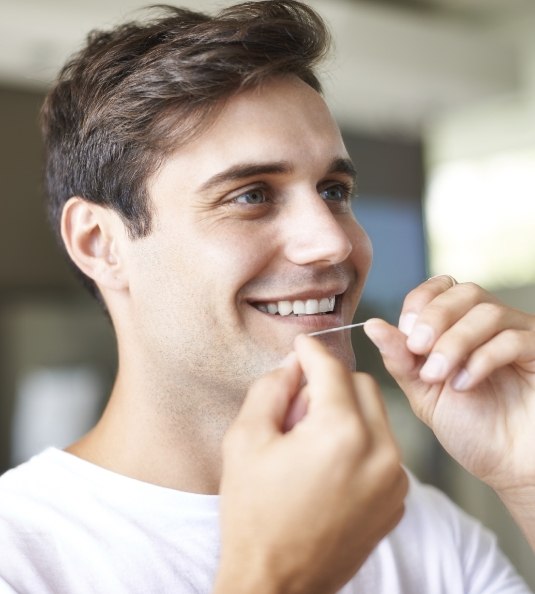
[421, 338]
[406, 322]
[461, 380]
[435, 367]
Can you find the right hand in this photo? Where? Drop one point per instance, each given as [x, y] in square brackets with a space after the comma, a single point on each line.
[301, 510]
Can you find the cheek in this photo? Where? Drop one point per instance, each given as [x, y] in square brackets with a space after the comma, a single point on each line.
[237, 257]
[362, 253]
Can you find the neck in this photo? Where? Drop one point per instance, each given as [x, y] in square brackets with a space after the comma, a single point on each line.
[168, 438]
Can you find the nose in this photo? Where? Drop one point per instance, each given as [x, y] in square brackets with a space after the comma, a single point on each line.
[314, 234]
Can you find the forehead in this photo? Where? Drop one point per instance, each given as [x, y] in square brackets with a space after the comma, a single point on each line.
[282, 120]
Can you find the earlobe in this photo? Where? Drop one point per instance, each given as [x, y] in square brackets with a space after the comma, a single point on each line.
[92, 235]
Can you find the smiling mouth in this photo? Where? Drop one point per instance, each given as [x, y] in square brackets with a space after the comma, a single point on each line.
[299, 307]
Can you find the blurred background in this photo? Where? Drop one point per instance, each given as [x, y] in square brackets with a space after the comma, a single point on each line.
[436, 100]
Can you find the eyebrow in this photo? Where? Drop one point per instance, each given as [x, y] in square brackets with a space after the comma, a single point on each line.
[246, 170]
[343, 165]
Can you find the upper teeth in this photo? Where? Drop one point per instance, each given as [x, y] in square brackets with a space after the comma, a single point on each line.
[298, 307]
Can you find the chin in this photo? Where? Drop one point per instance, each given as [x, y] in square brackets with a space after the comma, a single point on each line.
[343, 352]
[348, 359]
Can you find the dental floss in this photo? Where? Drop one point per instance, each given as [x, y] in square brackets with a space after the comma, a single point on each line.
[335, 329]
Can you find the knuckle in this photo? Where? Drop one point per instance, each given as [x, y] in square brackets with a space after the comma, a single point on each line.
[389, 461]
[469, 286]
[351, 441]
[433, 311]
[352, 437]
[491, 356]
[494, 312]
[513, 338]
[470, 289]
[387, 457]
[518, 344]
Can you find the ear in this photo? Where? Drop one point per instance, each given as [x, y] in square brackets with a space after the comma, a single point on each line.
[93, 236]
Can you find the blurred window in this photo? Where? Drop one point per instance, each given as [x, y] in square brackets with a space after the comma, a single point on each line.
[480, 216]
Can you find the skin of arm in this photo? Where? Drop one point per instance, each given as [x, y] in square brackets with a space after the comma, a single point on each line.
[466, 362]
[302, 508]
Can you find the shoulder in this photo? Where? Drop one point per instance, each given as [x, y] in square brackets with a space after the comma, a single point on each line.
[24, 490]
[41, 492]
[27, 476]
[438, 523]
[445, 549]
[26, 515]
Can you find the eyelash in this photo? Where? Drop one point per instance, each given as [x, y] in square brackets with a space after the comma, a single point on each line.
[345, 188]
[256, 190]
[346, 191]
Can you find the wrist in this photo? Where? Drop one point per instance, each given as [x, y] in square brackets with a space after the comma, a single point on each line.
[520, 502]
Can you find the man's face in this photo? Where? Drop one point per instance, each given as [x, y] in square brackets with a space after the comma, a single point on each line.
[253, 242]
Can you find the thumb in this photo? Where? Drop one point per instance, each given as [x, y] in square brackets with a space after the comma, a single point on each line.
[403, 365]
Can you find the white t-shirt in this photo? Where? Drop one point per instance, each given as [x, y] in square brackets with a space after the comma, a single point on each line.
[68, 526]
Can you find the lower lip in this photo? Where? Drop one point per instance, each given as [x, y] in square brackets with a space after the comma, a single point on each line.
[309, 323]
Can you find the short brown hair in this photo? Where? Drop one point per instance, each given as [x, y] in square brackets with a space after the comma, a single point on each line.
[135, 93]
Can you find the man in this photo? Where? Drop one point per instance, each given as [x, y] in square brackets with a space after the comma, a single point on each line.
[202, 190]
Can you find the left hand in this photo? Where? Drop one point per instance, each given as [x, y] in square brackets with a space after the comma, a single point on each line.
[467, 365]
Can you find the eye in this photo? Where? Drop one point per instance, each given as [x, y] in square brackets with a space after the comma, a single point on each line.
[253, 196]
[336, 193]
